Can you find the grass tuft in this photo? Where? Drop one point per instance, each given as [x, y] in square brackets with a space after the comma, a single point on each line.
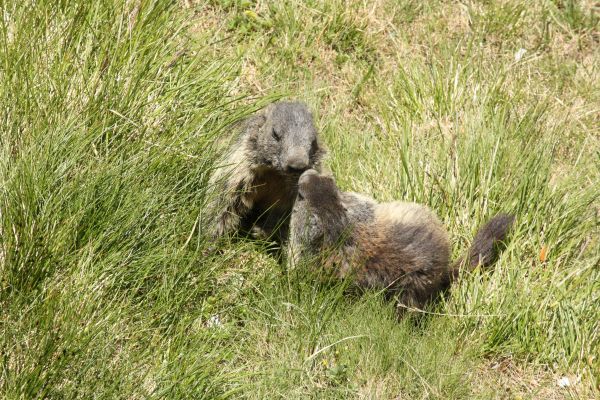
[112, 114]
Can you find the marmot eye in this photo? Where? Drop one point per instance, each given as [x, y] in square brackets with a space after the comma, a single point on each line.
[275, 135]
[300, 197]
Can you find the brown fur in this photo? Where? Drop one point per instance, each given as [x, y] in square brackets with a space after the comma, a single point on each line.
[256, 185]
[399, 247]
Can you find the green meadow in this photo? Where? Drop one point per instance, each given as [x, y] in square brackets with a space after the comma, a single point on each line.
[111, 115]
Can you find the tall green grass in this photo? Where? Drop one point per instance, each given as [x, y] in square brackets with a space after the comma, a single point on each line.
[110, 113]
[106, 148]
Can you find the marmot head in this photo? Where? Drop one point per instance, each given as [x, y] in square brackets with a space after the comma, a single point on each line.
[287, 139]
[318, 217]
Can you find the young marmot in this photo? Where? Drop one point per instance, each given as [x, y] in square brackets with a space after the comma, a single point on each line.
[400, 247]
[257, 185]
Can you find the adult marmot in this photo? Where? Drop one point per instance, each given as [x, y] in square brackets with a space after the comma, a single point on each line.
[257, 185]
[400, 247]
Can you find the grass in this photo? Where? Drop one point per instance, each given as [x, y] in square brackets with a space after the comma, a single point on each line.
[111, 113]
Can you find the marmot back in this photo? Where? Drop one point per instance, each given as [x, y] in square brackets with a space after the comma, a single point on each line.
[400, 247]
[257, 185]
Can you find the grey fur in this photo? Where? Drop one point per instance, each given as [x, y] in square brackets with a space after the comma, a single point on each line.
[402, 248]
[257, 185]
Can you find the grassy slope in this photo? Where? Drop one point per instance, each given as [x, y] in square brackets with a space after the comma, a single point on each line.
[108, 117]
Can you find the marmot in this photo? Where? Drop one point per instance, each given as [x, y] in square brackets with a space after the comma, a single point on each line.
[257, 185]
[399, 247]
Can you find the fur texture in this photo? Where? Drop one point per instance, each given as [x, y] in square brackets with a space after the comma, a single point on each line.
[257, 183]
[400, 247]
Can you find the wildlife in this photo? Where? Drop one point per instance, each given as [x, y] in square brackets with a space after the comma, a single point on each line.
[401, 248]
[256, 184]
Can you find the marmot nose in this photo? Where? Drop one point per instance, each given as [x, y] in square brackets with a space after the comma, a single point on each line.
[298, 164]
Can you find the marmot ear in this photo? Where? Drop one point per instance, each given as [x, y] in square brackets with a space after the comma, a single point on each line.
[261, 118]
[253, 125]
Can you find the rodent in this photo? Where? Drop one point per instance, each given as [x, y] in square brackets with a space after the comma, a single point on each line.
[399, 247]
[257, 183]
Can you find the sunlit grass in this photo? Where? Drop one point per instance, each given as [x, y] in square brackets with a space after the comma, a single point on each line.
[110, 111]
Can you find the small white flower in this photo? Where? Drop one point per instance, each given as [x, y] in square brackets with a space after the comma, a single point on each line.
[214, 322]
[519, 54]
[564, 382]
